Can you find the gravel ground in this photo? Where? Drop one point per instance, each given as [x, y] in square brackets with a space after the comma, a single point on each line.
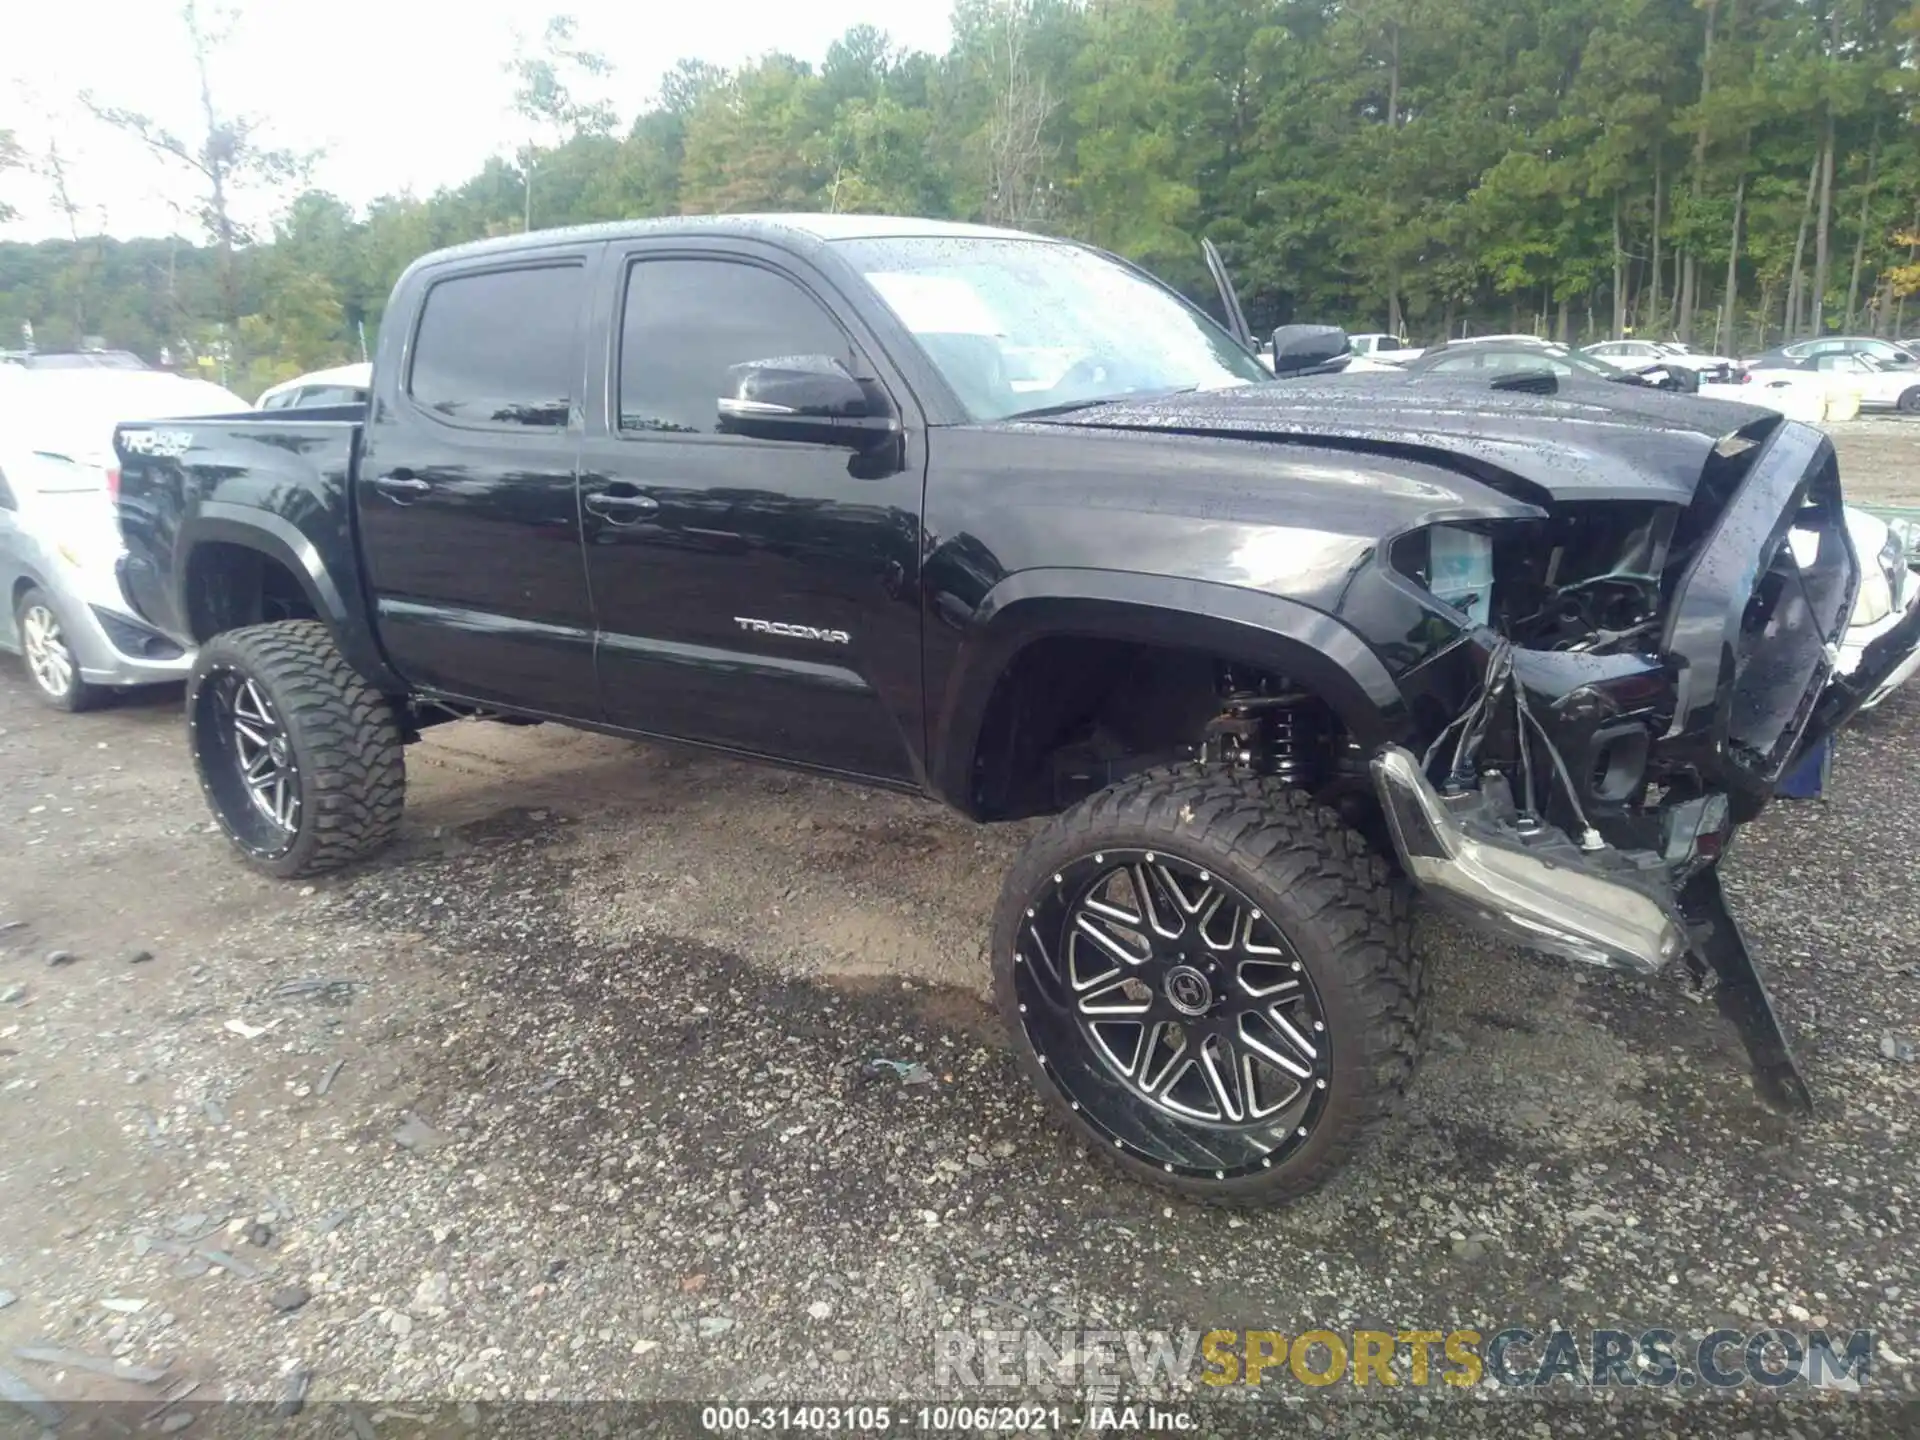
[568, 1096]
[1878, 455]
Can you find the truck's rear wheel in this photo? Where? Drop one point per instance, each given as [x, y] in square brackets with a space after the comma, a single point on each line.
[1211, 981]
[299, 758]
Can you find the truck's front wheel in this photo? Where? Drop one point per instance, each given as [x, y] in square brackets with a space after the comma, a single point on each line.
[300, 759]
[1210, 980]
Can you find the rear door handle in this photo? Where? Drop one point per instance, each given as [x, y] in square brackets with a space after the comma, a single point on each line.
[401, 483]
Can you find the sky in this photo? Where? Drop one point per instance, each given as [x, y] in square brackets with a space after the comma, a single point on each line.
[399, 94]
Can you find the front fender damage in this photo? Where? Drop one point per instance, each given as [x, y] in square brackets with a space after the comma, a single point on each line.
[1579, 797]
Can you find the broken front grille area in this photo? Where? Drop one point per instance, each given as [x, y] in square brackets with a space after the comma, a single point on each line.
[1795, 613]
[1751, 631]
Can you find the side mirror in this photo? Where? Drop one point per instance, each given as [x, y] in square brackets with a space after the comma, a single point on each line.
[802, 397]
[1310, 349]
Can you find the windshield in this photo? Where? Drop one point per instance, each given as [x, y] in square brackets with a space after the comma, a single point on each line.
[1017, 326]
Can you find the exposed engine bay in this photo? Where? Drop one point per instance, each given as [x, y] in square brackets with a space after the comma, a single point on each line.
[1631, 681]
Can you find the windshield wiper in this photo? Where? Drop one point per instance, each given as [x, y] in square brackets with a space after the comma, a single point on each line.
[1067, 407]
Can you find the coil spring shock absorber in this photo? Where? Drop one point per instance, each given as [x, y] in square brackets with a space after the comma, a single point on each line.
[1281, 734]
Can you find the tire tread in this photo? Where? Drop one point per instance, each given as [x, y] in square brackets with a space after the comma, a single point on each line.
[358, 764]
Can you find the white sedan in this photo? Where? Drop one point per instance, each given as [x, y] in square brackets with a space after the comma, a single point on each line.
[342, 385]
[1889, 591]
[1638, 354]
[1880, 386]
[59, 538]
[1628, 354]
[1803, 395]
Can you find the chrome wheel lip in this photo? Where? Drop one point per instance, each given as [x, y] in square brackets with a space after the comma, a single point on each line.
[44, 646]
[1099, 1085]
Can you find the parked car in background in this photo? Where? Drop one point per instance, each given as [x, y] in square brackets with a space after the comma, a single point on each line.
[1804, 395]
[1809, 397]
[1889, 592]
[1496, 355]
[342, 385]
[1515, 338]
[59, 544]
[1879, 385]
[1631, 354]
[1853, 383]
[1894, 357]
[76, 360]
[1378, 345]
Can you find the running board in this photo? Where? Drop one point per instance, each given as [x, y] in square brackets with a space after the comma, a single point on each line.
[1721, 950]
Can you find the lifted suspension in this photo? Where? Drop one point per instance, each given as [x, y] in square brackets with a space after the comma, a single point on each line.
[1288, 735]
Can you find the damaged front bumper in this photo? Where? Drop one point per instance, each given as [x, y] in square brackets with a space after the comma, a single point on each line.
[1524, 881]
[1744, 682]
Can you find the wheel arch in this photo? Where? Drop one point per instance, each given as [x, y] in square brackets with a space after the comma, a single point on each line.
[217, 535]
[26, 580]
[1224, 622]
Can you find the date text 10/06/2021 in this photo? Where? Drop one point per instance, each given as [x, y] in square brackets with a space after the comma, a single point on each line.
[962, 1419]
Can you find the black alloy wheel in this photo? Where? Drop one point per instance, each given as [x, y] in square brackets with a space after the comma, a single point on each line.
[1173, 1012]
[1210, 980]
[251, 770]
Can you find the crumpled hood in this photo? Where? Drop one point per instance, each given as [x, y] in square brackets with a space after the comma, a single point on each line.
[1586, 443]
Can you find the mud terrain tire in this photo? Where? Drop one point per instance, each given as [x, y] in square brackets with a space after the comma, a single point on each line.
[300, 759]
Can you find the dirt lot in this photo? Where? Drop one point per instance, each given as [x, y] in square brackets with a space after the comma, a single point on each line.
[567, 1097]
[1880, 459]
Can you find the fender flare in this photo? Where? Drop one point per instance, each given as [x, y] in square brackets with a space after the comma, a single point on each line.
[1250, 626]
[279, 540]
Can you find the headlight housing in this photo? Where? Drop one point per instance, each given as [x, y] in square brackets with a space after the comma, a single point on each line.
[1453, 564]
[1893, 564]
[1875, 600]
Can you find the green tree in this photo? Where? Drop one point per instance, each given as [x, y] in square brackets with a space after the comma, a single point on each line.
[224, 156]
[547, 75]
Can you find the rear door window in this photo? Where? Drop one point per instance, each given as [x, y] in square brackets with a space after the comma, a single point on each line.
[501, 347]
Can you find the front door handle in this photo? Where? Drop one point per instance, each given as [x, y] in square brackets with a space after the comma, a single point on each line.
[618, 508]
[401, 483]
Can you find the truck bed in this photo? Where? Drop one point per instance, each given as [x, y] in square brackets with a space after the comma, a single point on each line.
[183, 481]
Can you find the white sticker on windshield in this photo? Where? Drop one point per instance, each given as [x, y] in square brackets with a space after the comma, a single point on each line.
[935, 304]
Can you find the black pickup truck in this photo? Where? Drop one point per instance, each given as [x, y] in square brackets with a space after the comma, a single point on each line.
[1002, 520]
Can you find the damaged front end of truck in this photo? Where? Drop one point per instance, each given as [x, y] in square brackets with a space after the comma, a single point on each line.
[1637, 677]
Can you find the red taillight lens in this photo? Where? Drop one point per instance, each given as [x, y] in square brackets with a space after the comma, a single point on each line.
[113, 482]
